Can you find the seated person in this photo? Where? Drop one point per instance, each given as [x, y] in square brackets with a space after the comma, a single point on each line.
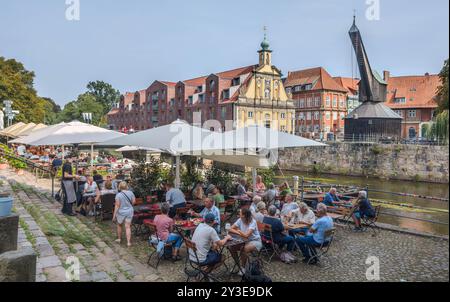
[175, 198]
[247, 229]
[271, 196]
[107, 189]
[316, 234]
[278, 233]
[255, 200]
[241, 188]
[207, 243]
[288, 206]
[331, 199]
[260, 187]
[164, 229]
[98, 178]
[210, 208]
[198, 193]
[90, 195]
[285, 190]
[363, 209]
[260, 211]
[302, 215]
[127, 165]
[210, 189]
[218, 197]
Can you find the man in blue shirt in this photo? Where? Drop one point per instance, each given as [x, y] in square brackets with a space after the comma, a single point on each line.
[316, 234]
[209, 208]
[331, 199]
[278, 233]
[175, 198]
[364, 209]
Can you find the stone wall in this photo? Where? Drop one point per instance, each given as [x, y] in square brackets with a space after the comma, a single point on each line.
[405, 162]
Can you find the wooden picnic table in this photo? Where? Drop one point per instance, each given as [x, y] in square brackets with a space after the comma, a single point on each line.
[300, 225]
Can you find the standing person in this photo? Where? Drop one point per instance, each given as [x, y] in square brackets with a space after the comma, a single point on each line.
[218, 197]
[123, 211]
[80, 187]
[175, 198]
[198, 193]
[70, 196]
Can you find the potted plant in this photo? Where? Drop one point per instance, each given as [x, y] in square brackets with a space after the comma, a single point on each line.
[19, 166]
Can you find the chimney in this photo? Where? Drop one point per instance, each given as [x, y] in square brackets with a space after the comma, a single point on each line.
[386, 75]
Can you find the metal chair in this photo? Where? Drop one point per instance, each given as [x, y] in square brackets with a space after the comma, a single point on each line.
[370, 222]
[106, 207]
[154, 245]
[317, 253]
[193, 268]
[269, 247]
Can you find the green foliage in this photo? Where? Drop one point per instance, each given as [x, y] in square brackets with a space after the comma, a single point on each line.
[84, 103]
[442, 92]
[377, 150]
[146, 177]
[104, 94]
[439, 128]
[268, 175]
[190, 174]
[220, 177]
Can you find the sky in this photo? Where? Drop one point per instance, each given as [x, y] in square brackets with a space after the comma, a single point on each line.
[132, 43]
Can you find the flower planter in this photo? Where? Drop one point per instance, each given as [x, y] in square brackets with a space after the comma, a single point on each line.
[3, 166]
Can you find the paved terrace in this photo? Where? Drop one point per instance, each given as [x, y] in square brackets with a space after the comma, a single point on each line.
[55, 237]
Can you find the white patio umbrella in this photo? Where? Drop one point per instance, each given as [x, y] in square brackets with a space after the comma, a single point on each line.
[71, 133]
[178, 138]
[135, 148]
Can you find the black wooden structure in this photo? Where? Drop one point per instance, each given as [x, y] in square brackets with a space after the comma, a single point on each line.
[372, 120]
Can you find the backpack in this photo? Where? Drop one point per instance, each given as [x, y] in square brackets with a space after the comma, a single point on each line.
[254, 272]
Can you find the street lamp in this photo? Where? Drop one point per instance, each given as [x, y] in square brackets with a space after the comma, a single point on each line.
[87, 116]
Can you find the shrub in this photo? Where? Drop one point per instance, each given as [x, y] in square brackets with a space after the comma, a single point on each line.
[221, 178]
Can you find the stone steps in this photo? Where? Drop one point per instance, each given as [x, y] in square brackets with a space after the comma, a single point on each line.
[100, 260]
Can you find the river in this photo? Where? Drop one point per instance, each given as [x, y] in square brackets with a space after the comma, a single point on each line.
[434, 221]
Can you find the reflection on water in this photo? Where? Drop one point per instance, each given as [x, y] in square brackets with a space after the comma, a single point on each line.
[418, 188]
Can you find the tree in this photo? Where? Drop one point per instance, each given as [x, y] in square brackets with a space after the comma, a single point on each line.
[105, 94]
[16, 84]
[84, 103]
[442, 91]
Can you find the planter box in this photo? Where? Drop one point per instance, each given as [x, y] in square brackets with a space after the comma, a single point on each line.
[3, 166]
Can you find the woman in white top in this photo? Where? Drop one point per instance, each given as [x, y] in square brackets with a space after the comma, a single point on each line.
[90, 194]
[302, 215]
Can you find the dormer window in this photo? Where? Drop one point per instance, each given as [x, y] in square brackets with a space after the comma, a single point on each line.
[199, 89]
[236, 82]
[226, 94]
[400, 100]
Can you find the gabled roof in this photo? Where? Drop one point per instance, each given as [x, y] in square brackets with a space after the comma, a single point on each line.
[318, 77]
[350, 84]
[419, 91]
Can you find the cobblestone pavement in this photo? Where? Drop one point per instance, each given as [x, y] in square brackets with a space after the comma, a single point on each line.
[402, 257]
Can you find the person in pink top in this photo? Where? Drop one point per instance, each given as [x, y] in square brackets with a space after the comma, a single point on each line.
[260, 186]
[164, 229]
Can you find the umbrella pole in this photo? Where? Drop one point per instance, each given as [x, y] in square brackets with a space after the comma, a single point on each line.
[254, 175]
[62, 152]
[177, 172]
[92, 157]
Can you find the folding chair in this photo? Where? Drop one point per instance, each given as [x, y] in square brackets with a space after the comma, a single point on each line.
[193, 268]
[154, 245]
[106, 207]
[317, 253]
[370, 222]
[269, 247]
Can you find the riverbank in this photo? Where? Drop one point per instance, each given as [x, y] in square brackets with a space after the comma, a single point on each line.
[393, 161]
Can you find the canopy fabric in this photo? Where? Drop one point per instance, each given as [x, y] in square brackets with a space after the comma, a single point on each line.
[240, 158]
[10, 130]
[70, 133]
[134, 148]
[178, 138]
[36, 135]
[28, 131]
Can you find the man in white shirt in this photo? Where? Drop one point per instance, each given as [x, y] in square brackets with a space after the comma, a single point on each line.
[207, 241]
[302, 215]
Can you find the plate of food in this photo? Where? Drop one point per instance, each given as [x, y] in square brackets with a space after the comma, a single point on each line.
[197, 221]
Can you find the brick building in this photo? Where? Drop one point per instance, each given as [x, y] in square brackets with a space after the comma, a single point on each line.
[246, 95]
[351, 85]
[320, 102]
[413, 98]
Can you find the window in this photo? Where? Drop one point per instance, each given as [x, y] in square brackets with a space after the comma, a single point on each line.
[236, 82]
[226, 94]
[400, 100]
[335, 115]
[308, 116]
[200, 88]
[412, 113]
[302, 103]
[327, 100]
[302, 116]
[250, 114]
[190, 100]
[341, 103]
[327, 116]
[317, 101]
[335, 101]
[308, 102]
[201, 98]
[307, 87]
[224, 112]
[288, 90]
[172, 102]
[267, 93]
[283, 116]
[399, 112]
[316, 115]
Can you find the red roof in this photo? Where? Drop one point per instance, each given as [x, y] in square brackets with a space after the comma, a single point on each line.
[418, 91]
[350, 84]
[113, 111]
[318, 77]
[171, 84]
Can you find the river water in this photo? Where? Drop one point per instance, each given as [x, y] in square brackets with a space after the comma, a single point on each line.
[435, 220]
